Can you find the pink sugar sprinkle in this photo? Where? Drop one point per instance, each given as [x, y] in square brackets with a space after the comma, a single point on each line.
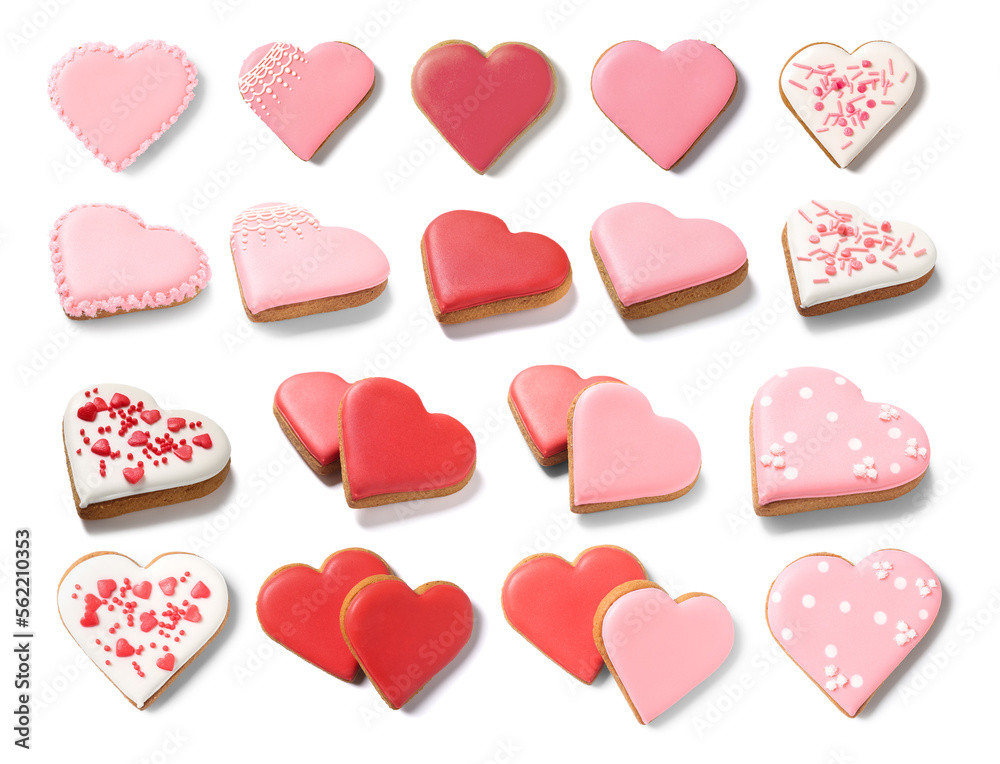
[890, 265]
[798, 85]
[910, 242]
[890, 67]
[905, 75]
[821, 281]
[920, 252]
[846, 145]
[802, 66]
[805, 216]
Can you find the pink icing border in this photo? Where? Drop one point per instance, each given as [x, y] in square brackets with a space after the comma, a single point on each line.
[92, 47]
[160, 300]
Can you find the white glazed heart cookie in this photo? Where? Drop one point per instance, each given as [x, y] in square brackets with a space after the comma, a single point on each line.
[125, 454]
[142, 626]
[837, 256]
[844, 99]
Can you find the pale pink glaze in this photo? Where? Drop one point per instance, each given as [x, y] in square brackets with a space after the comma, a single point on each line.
[661, 649]
[623, 451]
[284, 256]
[824, 431]
[649, 252]
[302, 96]
[117, 102]
[663, 100]
[848, 627]
[106, 258]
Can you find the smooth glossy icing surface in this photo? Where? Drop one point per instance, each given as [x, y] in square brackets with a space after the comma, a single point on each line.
[140, 626]
[844, 99]
[849, 626]
[310, 403]
[663, 100]
[649, 252]
[815, 435]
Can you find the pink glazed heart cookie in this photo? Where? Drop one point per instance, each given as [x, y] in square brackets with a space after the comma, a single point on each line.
[844, 99]
[288, 265]
[817, 443]
[540, 397]
[849, 626]
[663, 101]
[106, 260]
[837, 257]
[124, 453]
[657, 648]
[622, 454]
[307, 407]
[117, 102]
[304, 97]
[481, 103]
[652, 261]
[143, 626]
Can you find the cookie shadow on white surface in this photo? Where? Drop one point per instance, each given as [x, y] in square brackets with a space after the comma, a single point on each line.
[920, 302]
[522, 319]
[415, 706]
[890, 129]
[322, 155]
[714, 132]
[372, 517]
[642, 512]
[556, 470]
[536, 130]
[160, 516]
[332, 320]
[695, 311]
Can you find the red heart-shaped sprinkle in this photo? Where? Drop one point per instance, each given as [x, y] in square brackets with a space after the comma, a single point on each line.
[123, 649]
[89, 618]
[101, 447]
[175, 423]
[166, 662]
[106, 587]
[138, 438]
[168, 585]
[184, 452]
[204, 440]
[118, 400]
[192, 614]
[142, 590]
[147, 621]
[100, 404]
[87, 412]
[200, 591]
[133, 474]
[150, 416]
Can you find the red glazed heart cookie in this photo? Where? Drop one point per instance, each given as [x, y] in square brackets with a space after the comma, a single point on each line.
[106, 260]
[663, 101]
[849, 626]
[551, 603]
[118, 102]
[125, 454]
[288, 265]
[540, 397]
[482, 102]
[404, 637]
[658, 648]
[652, 261]
[392, 449]
[142, 626]
[475, 267]
[622, 454]
[817, 443]
[307, 407]
[304, 97]
[299, 607]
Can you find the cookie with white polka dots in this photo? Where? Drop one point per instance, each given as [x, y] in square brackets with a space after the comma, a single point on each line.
[849, 626]
[816, 443]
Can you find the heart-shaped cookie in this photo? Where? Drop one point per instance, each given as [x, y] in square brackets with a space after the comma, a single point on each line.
[299, 607]
[540, 397]
[404, 637]
[622, 454]
[142, 626]
[664, 101]
[106, 260]
[652, 261]
[125, 454]
[658, 648]
[817, 443]
[482, 102]
[844, 99]
[117, 102]
[304, 97]
[551, 603]
[837, 256]
[849, 626]
[475, 267]
[392, 449]
[307, 407]
[288, 265]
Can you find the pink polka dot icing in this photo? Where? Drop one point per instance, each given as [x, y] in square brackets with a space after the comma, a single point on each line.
[815, 436]
[849, 626]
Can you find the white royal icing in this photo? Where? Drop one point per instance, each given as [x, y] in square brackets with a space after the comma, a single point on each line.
[85, 466]
[903, 253]
[212, 610]
[878, 90]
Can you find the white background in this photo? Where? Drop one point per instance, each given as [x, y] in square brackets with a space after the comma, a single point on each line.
[935, 166]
